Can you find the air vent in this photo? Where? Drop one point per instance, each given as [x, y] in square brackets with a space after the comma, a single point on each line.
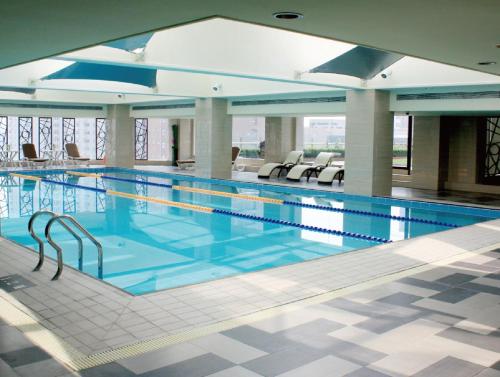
[164, 107]
[46, 106]
[288, 101]
[452, 95]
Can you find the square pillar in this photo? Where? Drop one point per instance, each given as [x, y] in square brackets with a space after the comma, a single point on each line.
[186, 139]
[280, 138]
[426, 153]
[369, 143]
[213, 128]
[120, 134]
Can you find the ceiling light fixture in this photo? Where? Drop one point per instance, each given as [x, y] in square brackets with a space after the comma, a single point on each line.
[487, 63]
[287, 15]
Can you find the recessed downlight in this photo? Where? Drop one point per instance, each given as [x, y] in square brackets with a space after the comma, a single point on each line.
[487, 63]
[287, 15]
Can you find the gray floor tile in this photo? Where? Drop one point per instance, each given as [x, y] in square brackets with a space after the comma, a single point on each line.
[283, 361]
[456, 279]
[366, 372]
[453, 295]
[45, 368]
[6, 370]
[107, 370]
[260, 339]
[495, 276]
[424, 284]
[488, 342]
[481, 288]
[477, 267]
[196, 367]
[401, 299]
[450, 367]
[488, 372]
[354, 352]
[319, 326]
[162, 357]
[236, 371]
[12, 339]
[24, 356]
[497, 364]
[382, 323]
[370, 309]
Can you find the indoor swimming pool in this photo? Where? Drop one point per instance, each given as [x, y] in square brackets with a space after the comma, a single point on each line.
[161, 231]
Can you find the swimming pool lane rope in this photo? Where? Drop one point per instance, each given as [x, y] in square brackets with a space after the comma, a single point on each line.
[198, 208]
[269, 200]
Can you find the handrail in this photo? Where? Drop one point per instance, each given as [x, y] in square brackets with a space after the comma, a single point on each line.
[60, 219]
[41, 248]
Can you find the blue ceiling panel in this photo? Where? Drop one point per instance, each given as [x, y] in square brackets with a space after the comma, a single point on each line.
[106, 72]
[362, 62]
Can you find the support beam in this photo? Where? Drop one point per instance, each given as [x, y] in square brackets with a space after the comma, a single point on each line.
[213, 127]
[280, 138]
[120, 147]
[426, 154]
[369, 143]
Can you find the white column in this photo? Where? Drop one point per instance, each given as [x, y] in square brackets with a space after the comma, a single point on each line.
[369, 140]
[426, 154]
[213, 127]
[280, 138]
[299, 134]
[186, 139]
[120, 134]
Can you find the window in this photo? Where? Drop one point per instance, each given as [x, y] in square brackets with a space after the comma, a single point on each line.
[48, 133]
[401, 156]
[249, 135]
[324, 134]
[159, 144]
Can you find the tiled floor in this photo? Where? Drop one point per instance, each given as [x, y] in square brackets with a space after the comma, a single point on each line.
[441, 322]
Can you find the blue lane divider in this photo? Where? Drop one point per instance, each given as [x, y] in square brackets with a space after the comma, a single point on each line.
[313, 206]
[166, 185]
[367, 213]
[302, 226]
[73, 185]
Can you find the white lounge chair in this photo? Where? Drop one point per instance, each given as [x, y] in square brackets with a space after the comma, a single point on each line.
[321, 161]
[293, 158]
[328, 174]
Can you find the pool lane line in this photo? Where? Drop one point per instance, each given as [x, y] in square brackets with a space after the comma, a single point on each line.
[28, 177]
[170, 203]
[271, 200]
[81, 174]
[182, 188]
[368, 213]
[262, 199]
[302, 226]
[46, 180]
[194, 207]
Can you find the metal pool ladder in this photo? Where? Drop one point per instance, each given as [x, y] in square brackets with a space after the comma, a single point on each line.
[62, 219]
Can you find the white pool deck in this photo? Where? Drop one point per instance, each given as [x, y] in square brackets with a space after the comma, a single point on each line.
[86, 322]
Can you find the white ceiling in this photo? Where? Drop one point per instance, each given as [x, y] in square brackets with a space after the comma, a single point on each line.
[456, 32]
[244, 59]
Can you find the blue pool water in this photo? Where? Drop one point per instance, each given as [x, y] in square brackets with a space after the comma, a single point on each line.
[150, 246]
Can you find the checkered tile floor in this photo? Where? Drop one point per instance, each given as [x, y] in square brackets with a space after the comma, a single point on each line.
[441, 322]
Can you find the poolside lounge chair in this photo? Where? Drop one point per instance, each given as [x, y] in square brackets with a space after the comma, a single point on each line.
[74, 153]
[328, 174]
[235, 152]
[321, 161]
[189, 163]
[293, 158]
[30, 155]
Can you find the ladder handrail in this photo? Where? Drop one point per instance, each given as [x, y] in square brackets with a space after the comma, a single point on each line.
[41, 246]
[60, 219]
